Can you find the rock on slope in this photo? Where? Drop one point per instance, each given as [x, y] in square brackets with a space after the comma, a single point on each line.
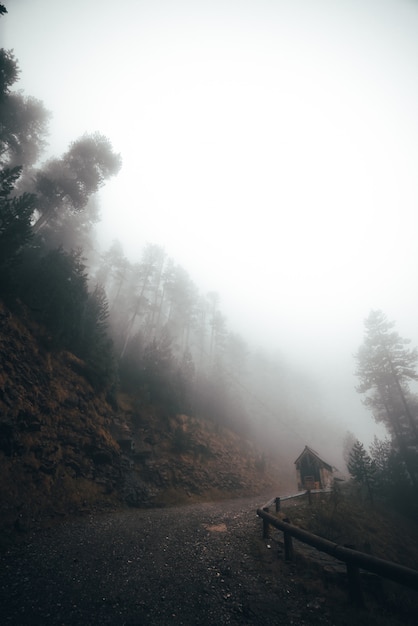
[65, 449]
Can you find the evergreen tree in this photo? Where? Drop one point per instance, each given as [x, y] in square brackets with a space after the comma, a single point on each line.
[385, 367]
[381, 452]
[9, 72]
[131, 367]
[15, 225]
[55, 288]
[158, 372]
[348, 443]
[23, 130]
[184, 383]
[140, 289]
[66, 184]
[93, 343]
[24, 119]
[361, 467]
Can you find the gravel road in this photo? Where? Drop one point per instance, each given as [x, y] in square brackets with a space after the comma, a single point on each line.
[183, 565]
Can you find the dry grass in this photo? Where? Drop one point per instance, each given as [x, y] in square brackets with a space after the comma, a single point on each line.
[371, 528]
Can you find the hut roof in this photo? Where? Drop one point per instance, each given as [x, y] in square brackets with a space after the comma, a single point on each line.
[308, 450]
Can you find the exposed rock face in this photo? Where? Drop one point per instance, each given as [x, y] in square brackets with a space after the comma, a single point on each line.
[64, 449]
[56, 453]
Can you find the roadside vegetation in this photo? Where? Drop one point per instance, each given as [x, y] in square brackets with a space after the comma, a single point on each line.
[346, 517]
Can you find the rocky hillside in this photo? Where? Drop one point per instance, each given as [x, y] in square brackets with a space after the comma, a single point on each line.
[64, 449]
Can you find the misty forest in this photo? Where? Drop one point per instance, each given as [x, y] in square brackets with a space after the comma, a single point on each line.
[122, 384]
[142, 327]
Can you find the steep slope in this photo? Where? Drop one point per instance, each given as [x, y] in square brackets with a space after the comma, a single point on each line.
[56, 453]
[65, 449]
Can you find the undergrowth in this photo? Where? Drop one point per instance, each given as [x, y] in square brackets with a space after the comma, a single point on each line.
[347, 519]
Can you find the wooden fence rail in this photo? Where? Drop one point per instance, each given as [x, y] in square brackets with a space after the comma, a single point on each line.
[352, 558]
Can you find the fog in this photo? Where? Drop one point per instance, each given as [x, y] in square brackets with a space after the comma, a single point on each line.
[271, 149]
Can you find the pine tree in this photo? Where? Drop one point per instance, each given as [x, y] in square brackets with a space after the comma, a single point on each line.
[361, 467]
[15, 223]
[385, 367]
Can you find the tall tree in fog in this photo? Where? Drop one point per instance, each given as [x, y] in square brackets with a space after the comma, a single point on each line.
[181, 298]
[383, 455]
[143, 273]
[217, 324]
[385, 367]
[9, 71]
[23, 118]
[201, 330]
[22, 130]
[113, 272]
[348, 443]
[55, 289]
[66, 184]
[154, 321]
[93, 342]
[15, 223]
[72, 230]
[158, 371]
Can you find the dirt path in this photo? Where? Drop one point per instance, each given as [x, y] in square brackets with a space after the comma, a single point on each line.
[187, 565]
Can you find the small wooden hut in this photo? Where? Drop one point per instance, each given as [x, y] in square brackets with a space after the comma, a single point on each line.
[312, 472]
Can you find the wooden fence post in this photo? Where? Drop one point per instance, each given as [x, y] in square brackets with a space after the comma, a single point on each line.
[277, 501]
[348, 554]
[354, 584]
[288, 543]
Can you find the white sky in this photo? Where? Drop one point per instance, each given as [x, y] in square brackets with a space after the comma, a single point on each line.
[270, 146]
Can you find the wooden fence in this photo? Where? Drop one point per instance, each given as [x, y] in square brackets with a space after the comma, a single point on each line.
[353, 559]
